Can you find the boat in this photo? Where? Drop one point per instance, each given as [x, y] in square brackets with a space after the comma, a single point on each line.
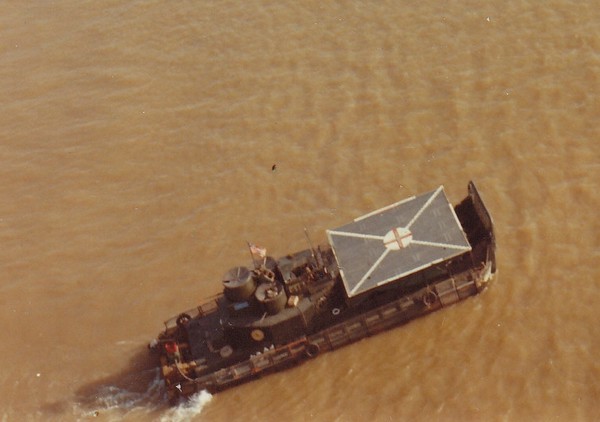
[379, 271]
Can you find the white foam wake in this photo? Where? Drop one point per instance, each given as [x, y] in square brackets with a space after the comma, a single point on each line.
[188, 409]
[111, 396]
[114, 402]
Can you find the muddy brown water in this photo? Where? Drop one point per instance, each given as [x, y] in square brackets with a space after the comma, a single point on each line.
[136, 148]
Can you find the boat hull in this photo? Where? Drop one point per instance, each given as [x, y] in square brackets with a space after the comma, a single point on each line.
[369, 278]
[398, 312]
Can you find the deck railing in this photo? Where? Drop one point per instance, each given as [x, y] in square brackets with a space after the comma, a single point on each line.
[202, 310]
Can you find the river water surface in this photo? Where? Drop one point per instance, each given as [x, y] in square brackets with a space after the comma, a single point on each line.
[136, 149]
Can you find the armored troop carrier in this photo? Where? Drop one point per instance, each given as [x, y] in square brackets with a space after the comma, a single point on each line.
[381, 270]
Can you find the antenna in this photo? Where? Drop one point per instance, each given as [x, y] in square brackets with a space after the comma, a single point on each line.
[316, 256]
[251, 254]
[312, 250]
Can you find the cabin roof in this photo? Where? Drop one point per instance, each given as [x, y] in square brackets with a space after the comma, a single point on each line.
[397, 240]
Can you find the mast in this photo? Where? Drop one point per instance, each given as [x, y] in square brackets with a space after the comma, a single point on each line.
[315, 254]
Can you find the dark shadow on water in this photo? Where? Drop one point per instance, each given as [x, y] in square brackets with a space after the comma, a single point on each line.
[55, 409]
[137, 386]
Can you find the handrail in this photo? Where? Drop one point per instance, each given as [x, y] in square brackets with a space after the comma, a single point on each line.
[254, 365]
[199, 311]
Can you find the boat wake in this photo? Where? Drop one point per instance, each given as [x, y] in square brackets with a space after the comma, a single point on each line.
[188, 409]
[112, 396]
[115, 402]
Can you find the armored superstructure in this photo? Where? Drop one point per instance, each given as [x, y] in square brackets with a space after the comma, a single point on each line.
[381, 270]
